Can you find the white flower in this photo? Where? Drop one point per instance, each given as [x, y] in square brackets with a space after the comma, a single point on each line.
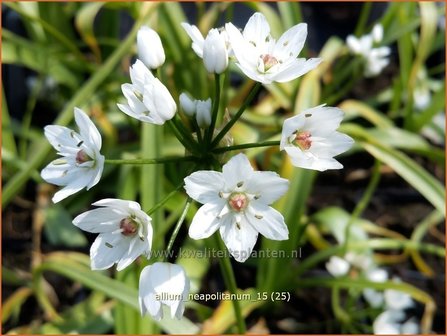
[435, 130]
[337, 266]
[236, 202]
[376, 58]
[214, 49]
[147, 98]
[81, 164]
[150, 49]
[215, 55]
[390, 323]
[125, 233]
[263, 59]
[163, 283]
[311, 140]
[199, 108]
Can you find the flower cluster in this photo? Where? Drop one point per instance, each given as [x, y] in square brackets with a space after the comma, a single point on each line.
[391, 321]
[236, 201]
[376, 58]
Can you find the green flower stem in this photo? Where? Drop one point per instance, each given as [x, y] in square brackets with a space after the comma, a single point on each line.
[230, 281]
[151, 161]
[215, 111]
[164, 200]
[188, 141]
[364, 15]
[245, 146]
[230, 124]
[177, 134]
[178, 226]
[86, 90]
[339, 312]
[364, 201]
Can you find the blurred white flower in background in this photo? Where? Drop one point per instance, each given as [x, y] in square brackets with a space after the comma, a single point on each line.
[163, 284]
[237, 201]
[390, 322]
[376, 58]
[337, 266]
[125, 233]
[81, 163]
[214, 49]
[148, 99]
[201, 109]
[311, 140]
[265, 60]
[150, 48]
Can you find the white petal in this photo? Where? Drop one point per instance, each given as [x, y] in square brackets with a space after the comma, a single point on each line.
[295, 69]
[205, 221]
[237, 169]
[146, 296]
[257, 30]
[322, 120]
[267, 221]
[397, 300]
[72, 188]
[215, 55]
[60, 174]
[196, 37]
[99, 220]
[87, 129]
[107, 249]
[60, 136]
[377, 33]
[290, 126]
[268, 186]
[203, 115]
[188, 104]
[239, 240]
[386, 323]
[97, 171]
[159, 101]
[138, 248]
[411, 327]
[120, 204]
[291, 42]
[373, 297]
[204, 186]
[140, 75]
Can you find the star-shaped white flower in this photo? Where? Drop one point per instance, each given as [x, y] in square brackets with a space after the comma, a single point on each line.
[81, 163]
[148, 99]
[265, 60]
[311, 140]
[125, 233]
[236, 201]
[163, 284]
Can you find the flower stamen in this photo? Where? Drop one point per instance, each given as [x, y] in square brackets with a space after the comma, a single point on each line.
[128, 226]
[82, 157]
[269, 61]
[302, 140]
[238, 201]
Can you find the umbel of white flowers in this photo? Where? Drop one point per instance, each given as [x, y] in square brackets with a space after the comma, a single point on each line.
[81, 163]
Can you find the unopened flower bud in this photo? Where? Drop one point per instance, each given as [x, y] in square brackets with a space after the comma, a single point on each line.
[215, 55]
[188, 105]
[203, 113]
[150, 49]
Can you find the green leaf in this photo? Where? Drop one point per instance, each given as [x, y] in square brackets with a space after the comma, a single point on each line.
[412, 172]
[59, 229]
[84, 21]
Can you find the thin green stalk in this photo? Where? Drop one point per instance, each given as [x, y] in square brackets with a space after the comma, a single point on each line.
[364, 201]
[216, 102]
[230, 281]
[244, 146]
[363, 19]
[16, 183]
[150, 161]
[177, 227]
[255, 89]
[339, 312]
[164, 200]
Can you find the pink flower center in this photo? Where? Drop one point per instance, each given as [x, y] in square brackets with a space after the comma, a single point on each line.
[269, 61]
[238, 201]
[82, 157]
[302, 140]
[128, 227]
